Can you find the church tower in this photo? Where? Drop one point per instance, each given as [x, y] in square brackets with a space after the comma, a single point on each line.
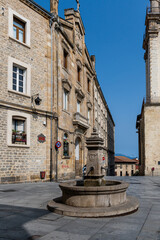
[151, 45]
[148, 122]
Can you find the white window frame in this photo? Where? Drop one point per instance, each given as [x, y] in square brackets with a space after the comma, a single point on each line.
[27, 68]
[13, 14]
[18, 78]
[10, 116]
[65, 100]
[78, 106]
[89, 111]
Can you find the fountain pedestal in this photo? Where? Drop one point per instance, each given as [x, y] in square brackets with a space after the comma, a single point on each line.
[95, 164]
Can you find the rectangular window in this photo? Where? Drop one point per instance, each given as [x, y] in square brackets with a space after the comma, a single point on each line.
[65, 100]
[19, 77]
[88, 115]
[78, 74]
[18, 131]
[88, 85]
[18, 80]
[78, 106]
[18, 27]
[65, 146]
[18, 30]
[65, 59]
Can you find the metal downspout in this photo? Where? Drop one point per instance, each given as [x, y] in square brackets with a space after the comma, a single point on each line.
[57, 60]
[51, 140]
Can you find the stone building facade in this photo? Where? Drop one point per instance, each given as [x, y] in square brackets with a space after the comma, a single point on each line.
[104, 123]
[125, 166]
[48, 83]
[148, 121]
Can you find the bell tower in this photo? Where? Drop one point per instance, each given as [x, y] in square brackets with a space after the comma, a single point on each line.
[152, 54]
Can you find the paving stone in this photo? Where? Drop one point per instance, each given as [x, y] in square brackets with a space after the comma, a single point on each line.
[23, 214]
[56, 235]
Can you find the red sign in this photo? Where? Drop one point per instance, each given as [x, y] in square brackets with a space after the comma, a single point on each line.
[41, 138]
[103, 158]
[58, 144]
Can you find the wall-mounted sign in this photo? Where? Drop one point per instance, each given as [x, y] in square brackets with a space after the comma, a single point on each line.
[41, 138]
[58, 144]
[103, 158]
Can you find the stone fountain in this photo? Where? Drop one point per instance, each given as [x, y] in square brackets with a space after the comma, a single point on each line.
[94, 196]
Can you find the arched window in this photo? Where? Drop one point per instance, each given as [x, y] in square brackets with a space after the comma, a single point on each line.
[65, 145]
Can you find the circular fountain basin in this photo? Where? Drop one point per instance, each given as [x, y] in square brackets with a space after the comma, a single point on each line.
[102, 196]
[101, 201]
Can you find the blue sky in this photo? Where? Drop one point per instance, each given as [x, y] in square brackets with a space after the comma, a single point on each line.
[114, 33]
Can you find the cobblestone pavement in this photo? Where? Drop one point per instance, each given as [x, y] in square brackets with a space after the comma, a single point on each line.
[24, 216]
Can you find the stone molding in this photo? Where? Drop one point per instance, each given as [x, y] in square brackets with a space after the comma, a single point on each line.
[80, 95]
[66, 85]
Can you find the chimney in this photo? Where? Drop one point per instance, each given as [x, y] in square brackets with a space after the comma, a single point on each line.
[154, 6]
[93, 60]
[54, 6]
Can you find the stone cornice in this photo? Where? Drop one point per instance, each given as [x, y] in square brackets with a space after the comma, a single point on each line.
[18, 107]
[37, 8]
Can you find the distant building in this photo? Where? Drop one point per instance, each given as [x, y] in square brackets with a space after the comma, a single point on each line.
[125, 166]
[148, 121]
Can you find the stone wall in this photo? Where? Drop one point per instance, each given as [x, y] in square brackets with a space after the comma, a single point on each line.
[152, 143]
[24, 163]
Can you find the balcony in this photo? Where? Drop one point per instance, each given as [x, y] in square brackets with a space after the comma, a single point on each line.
[80, 121]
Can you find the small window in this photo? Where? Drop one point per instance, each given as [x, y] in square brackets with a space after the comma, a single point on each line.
[78, 106]
[88, 85]
[19, 79]
[88, 115]
[65, 145]
[78, 74]
[18, 30]
[120, 166]
[65, 59]
[65, 100]
[18, 131]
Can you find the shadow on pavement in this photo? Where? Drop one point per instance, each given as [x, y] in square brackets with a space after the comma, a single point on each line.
[20, 223]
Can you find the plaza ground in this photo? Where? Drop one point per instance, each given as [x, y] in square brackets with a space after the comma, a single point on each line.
[24, 216]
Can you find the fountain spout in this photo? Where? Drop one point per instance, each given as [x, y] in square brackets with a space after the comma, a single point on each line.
[91, 169]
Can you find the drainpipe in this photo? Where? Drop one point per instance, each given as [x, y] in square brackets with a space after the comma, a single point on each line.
[51, 140]
[57, 154]
[57, 60]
